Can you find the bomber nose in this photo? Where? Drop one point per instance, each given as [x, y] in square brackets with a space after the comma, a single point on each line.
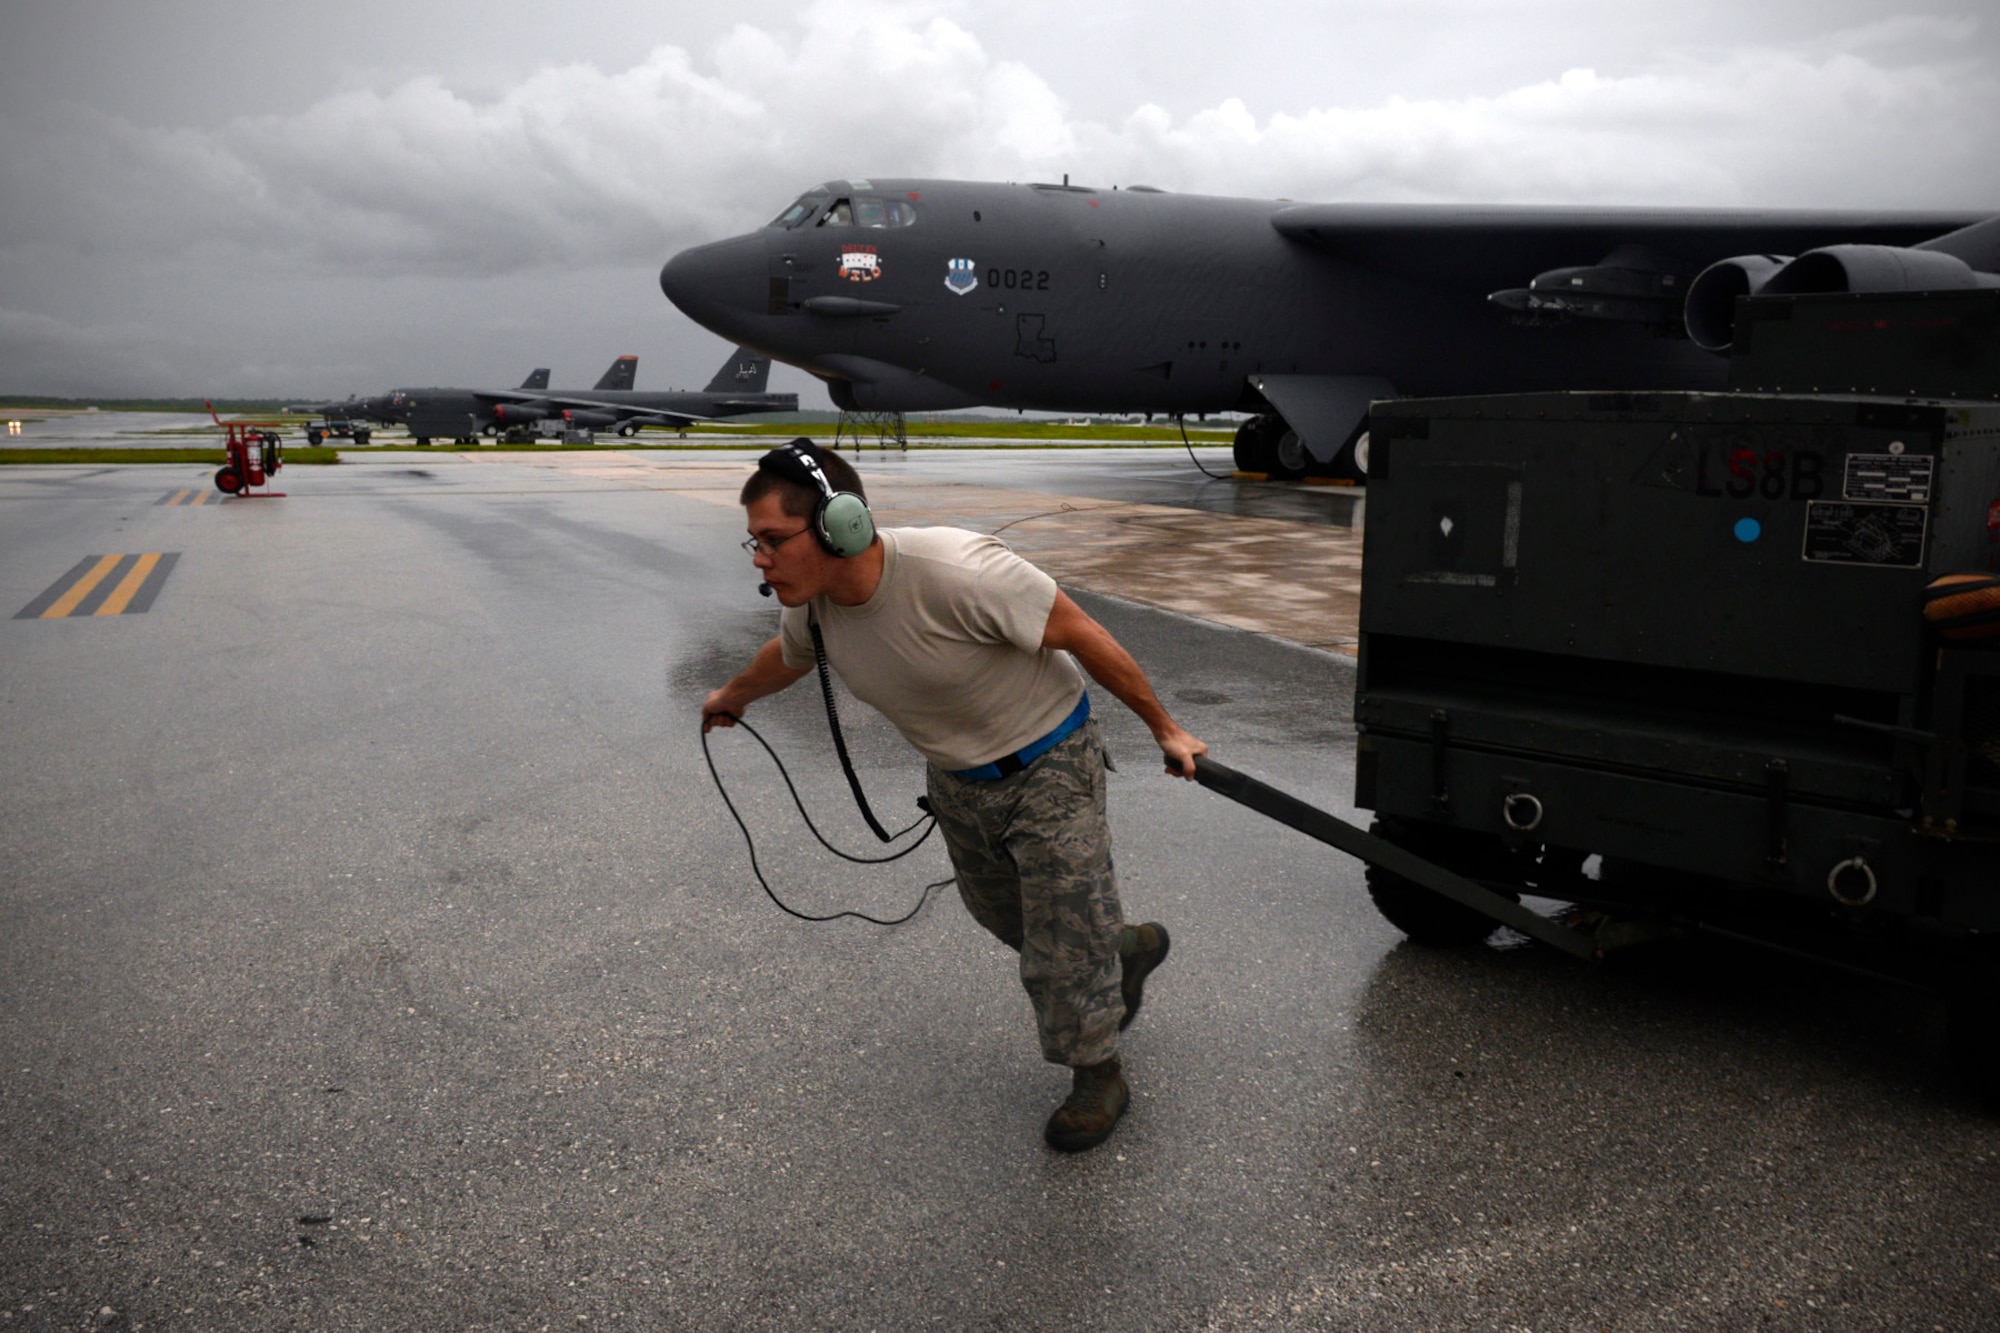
[719, 285]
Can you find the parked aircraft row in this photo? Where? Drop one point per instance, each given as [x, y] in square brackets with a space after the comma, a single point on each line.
[737, 389]
[914, 295]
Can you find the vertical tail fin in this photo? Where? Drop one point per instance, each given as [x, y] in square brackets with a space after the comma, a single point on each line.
[537, 379]
[623, 371]
[744, 372]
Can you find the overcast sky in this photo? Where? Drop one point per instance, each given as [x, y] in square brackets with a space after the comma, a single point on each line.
[251, 197]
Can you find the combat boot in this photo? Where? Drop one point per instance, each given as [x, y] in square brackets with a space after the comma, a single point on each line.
[1097, 1098]
[1140, 950]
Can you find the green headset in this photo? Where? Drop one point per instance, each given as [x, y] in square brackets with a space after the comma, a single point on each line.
[841, 522]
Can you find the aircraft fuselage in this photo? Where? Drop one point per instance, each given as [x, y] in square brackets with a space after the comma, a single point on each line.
[917, 294]
[1066, 299]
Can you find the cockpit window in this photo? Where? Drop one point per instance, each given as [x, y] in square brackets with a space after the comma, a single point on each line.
[803, 208]
[867, 211]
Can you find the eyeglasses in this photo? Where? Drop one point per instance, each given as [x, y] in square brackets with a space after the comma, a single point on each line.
[759, 546]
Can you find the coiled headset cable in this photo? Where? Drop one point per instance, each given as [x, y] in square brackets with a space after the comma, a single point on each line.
[854, 783]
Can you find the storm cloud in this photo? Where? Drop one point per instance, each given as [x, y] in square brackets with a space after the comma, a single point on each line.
[430, 227]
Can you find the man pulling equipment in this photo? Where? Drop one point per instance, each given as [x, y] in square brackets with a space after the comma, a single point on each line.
[972, 653]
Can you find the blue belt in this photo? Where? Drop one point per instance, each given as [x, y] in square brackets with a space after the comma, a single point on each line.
[1007, 765]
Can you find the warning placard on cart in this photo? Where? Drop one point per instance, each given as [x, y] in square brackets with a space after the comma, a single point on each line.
[1865, 534]
[1901, 478]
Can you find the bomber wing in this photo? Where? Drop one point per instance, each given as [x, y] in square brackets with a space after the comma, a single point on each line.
[1487, 247]
[628, 410]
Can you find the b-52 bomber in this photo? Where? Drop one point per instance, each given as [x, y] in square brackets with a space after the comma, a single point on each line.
[352, 414]
[922, 295]
[461, 414]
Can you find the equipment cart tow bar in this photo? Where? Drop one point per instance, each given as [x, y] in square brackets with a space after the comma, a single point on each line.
[1336, 832]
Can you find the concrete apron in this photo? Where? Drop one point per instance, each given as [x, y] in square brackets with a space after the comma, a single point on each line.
[1293, 581]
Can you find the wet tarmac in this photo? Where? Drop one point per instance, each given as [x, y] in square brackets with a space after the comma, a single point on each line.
[378, 955]
[27, 428]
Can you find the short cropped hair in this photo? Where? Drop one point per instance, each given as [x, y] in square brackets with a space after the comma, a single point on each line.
[795, 499]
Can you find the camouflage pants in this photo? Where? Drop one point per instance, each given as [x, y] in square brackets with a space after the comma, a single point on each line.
[1033, 857]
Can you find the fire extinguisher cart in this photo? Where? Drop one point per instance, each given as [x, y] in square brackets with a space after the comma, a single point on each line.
[254, 456]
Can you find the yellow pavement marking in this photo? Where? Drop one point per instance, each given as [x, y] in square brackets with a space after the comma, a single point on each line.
[178, 496]
[82, 588]
[121, 596]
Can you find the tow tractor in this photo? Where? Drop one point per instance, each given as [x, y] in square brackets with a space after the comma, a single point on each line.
[254, 457]
[337, 428]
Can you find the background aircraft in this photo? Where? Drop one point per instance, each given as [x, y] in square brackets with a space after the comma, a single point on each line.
[737, 389]
[917, 295]
[379, 408]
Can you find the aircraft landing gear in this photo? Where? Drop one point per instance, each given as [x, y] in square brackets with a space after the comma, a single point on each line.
[1266, 444]
[1350, 465]
[1289, 458]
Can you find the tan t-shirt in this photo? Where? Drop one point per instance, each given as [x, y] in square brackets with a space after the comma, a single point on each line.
[950, 646]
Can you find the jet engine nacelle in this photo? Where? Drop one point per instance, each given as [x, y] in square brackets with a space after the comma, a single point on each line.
[1875, 268]
[1711, 301]
[1711, 298]
[582, 418]
[519, 414]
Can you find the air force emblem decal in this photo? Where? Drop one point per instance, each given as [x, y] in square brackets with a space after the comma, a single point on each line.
[962, 276]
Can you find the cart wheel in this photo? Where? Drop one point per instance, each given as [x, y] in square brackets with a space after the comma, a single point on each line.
[1972, 1033]
[1429, 918]
[229, 480]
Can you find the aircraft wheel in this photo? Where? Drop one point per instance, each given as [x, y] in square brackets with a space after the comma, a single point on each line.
[423, 441]
[1289, 458]
[1428, 918]
[1351, 463]
[1255, 447]
[466, 439]
[361, 437]
[315, 437]
[229, 481]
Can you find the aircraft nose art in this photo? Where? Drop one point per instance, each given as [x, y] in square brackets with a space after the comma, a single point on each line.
[721, 286]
